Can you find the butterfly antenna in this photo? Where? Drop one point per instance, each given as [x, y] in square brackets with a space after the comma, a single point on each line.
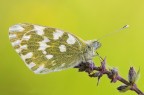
[111, 33]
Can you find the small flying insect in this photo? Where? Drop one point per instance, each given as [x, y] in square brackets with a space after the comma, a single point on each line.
[45, 49]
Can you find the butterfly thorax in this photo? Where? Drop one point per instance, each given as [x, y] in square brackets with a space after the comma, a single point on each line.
[91, 47]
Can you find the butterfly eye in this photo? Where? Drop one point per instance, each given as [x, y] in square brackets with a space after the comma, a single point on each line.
[89, 47]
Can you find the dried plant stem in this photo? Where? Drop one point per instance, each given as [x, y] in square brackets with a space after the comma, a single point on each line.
[112, 75]
[137, 90]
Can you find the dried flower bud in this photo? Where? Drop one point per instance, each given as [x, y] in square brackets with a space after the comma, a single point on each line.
[102, 70]
[87, 67]
[123, 88]
[114, 75]
[103, 65]
[133, 76]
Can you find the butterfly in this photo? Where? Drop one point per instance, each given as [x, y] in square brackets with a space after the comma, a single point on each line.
[45, 49]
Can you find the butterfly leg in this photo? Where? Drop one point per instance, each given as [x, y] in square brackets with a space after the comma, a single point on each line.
[99, 56]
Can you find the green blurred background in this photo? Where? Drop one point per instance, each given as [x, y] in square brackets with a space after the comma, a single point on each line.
[88, 19]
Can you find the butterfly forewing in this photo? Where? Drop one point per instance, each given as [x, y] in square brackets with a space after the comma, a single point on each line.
[45, 49]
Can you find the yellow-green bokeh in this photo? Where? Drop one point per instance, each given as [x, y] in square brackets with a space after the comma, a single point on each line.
[88, 19]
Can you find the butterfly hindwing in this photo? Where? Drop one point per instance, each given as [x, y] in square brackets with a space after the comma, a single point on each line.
[45, 49]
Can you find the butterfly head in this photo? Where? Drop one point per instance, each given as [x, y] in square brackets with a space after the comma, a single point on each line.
[92, 46]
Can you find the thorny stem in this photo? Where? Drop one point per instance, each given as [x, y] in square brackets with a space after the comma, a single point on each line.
[108, 73]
